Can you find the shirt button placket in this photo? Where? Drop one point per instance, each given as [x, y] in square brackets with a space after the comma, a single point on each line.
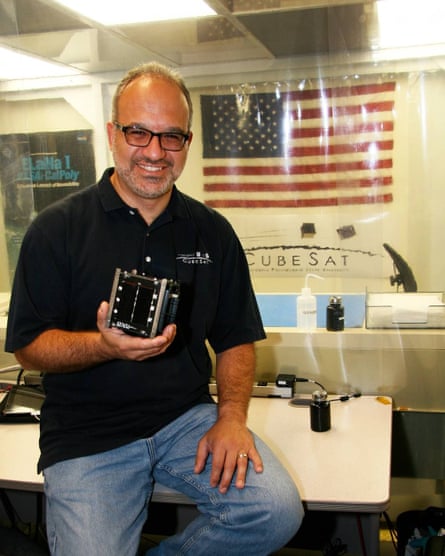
[146, 256]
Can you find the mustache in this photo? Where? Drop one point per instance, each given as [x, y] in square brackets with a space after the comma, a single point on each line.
[147, 160]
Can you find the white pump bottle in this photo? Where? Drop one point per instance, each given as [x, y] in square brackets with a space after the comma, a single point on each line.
[307, 306]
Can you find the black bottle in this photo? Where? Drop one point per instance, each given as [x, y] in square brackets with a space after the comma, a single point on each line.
[320, 411]
[335, 314]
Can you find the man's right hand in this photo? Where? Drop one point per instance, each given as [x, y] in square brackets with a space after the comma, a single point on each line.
[120, 345]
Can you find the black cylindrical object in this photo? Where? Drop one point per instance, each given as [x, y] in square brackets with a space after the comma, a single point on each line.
[335, 314]
[320, 409]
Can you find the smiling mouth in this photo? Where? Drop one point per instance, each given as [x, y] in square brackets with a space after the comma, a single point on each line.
[151, 168]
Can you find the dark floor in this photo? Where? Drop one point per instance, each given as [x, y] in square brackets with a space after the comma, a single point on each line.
[15, 543]
[387, 547]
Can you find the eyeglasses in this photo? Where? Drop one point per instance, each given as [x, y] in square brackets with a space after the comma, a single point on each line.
[137, 136]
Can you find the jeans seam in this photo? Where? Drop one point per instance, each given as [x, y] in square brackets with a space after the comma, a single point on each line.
[195, 538]
[223, 511]
[215, 501]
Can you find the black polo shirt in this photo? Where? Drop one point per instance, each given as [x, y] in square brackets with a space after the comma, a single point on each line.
[66, 268]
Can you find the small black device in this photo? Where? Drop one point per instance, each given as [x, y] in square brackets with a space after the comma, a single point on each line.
[284, 380]
[335, 314]
[142, 305]
[320, 410]
[319, 404]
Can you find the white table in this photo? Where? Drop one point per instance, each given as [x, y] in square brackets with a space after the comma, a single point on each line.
[346, 469]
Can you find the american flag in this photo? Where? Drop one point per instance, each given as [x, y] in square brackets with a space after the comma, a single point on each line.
[315, 147]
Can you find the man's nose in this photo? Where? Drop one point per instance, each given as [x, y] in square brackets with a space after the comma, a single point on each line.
[154, 147]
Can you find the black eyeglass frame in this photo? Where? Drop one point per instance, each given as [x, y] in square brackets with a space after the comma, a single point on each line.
[150, 134]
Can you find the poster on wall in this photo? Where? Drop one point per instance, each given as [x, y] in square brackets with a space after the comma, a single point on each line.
[310, 164]
[37, 169]
[323, 244]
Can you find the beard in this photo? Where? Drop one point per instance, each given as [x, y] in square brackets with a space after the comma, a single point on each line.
[146, 185]
[151, 188]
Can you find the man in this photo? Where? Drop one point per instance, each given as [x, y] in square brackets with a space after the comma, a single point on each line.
[123, 411]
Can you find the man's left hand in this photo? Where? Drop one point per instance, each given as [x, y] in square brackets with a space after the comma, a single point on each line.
[231, 445]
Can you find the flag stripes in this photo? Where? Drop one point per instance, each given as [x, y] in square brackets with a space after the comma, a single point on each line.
[301, 203]
[317, 147]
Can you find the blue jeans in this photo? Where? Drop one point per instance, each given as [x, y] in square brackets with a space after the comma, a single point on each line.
[97, 505]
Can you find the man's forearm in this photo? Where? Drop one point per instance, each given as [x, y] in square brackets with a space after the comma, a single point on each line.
[235, 371]
[62, 351]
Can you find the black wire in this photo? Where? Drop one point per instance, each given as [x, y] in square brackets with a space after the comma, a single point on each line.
[19, 376]
[297, 379]
[392, 531]
[343, 398]
[347, 397]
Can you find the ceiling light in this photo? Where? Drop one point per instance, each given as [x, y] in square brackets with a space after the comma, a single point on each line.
[19, 65]
[410, 22]
[118, 12]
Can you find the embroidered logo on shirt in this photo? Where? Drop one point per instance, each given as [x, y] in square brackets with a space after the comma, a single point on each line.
[195, 258]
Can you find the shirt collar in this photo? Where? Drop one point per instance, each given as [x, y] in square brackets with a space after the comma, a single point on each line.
[109, 198]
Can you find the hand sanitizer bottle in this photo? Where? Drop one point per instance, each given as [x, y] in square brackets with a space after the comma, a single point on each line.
[307, 306]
